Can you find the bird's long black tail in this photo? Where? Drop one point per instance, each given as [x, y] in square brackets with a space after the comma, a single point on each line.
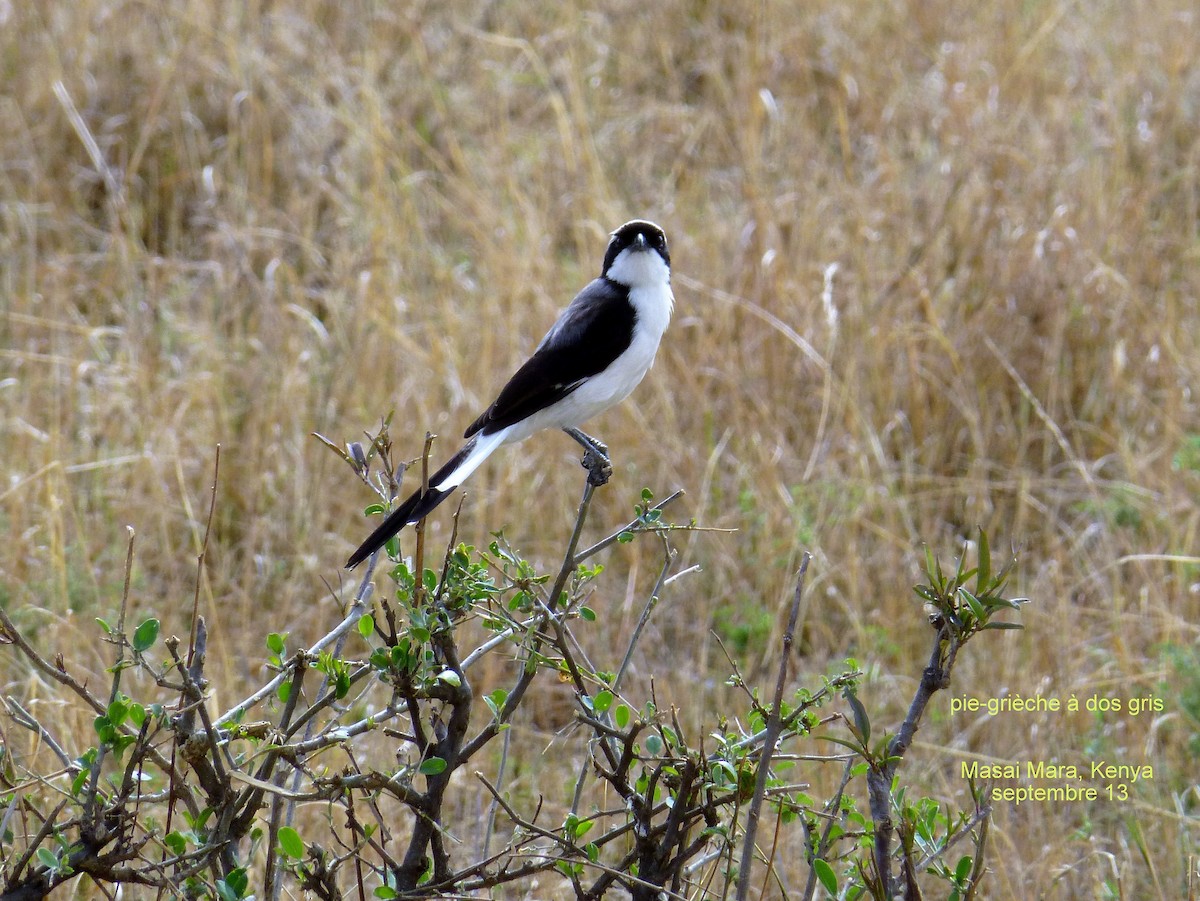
[416, 507]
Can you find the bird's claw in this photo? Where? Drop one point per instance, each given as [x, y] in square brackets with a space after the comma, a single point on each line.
[598, 466]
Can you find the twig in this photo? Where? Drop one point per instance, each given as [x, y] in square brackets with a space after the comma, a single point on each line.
[631, 526]
[57, 673]
[357, 609]
[200, 558]
[548, 615]
[498, 639]
[644, 618]
[774, 725]
[273, 878]
[10, 633]
[570, 560]
[618, 872]
[46, 828]
[552, 613]
[879, 777]
[121, 616]
[822, 847]
[982, 816]
[24, 718]
[517, 820]
[419, 553]
[490, 821]
[91, 809]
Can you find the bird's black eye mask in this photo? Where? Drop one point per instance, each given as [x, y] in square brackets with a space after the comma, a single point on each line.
[623, 237]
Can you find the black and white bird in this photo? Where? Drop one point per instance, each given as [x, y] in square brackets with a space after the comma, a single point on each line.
[602, 345]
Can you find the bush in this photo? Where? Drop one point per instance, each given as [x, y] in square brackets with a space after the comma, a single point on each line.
[342, 770]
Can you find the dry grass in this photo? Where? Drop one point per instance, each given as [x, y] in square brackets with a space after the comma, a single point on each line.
[323, 211]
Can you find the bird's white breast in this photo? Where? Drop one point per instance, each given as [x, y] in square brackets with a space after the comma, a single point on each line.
[653, 302]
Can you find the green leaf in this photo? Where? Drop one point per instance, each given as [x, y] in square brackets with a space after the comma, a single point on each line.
[386, 892]
[861, 721]
[121, 743]
[284, 691]
[145, 635]
[588, 614]
[825, 873]
[983, 572]
[117, 711]
[583, 827]
[176, 842]
[723, 773]
[373, 510]
[495, 701]
[973, 603]
[450, 677]
[963, 868]
[47, 858]
[199, 821]
[432, 766]
[400, 656]
[926, 593]
[625, 537]
[239, 881]
[992, 603]
[366, 625]
[602, 701]
[960, 575]
[933, 569]
[621, 716]
[857, 748]
[104, 729]
[276, 643]
[79, 781]
[290, 843]
[654, 745]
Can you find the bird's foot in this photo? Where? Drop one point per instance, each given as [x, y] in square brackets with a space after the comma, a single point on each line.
[595, 457]
[598, 465]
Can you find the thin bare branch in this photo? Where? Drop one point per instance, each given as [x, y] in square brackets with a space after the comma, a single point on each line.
[774, 725]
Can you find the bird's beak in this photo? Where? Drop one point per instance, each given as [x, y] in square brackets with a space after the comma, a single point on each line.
[639, 243]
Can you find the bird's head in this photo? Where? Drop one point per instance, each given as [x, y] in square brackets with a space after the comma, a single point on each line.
[637, 255]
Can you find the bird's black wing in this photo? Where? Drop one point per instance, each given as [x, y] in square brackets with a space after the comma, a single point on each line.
[595, 329]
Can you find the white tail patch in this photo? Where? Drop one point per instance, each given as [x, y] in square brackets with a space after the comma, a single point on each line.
[484, 445]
